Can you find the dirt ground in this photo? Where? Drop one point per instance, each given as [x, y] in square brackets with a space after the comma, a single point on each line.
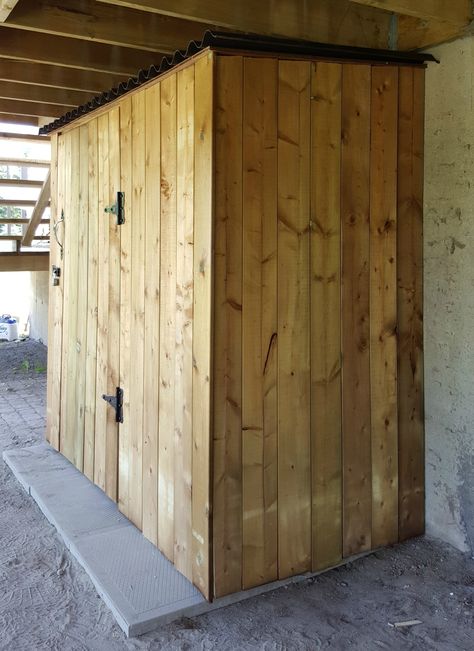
[47, 601]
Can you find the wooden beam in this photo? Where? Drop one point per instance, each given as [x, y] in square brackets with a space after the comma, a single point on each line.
[6, 7]
[28, 261]
[10, 118]
[18, 203]
[7, 222]
[32, 108]
[329, 21]
[73, 53]
[456, 12]
[415, 34]
[43, 201]
[23, 137]
[91, 21]
[42, 74]
[23, 183]
[18, 238]
[43, 94]
[24, 162]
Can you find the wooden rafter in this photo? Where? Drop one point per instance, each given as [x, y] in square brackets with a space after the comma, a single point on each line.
[425, 23]
[92, 21]
[43, 94]
[18, 203]
[41, 74]
[25, 261]
[8, 222]
[20, 183]
[414, 33]
[24, 162]
[6, 7]
[23, 137]
[39, 109]
[456, 12]
[73, 53]
[355, 22]
[19, 238]
[41, 204]
[329, 21]
[13, 118]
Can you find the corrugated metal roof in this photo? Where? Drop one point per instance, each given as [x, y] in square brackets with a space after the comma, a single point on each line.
[247, 42]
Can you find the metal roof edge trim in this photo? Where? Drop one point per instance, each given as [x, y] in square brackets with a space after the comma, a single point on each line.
[238, 41]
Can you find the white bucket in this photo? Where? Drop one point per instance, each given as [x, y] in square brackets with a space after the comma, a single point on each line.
[9, 331]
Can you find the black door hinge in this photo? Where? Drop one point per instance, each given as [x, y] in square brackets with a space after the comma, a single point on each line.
[116, 402]
[118, 208]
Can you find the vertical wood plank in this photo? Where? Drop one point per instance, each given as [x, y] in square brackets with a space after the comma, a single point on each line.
[410, 303]
[113, 339]
[152, 315]
[92, 303]
[137, 216]
[326, 408]
[82, 295]
[383, 305]
[108, 304]
[125, 303]
[102, 302]
[55, 306]
[66, 176]
[167, 317]
[203, 331]
[227, 388]
[259, 323]
[184, 321]
[294, 472]
[69, 378]
[357, 491]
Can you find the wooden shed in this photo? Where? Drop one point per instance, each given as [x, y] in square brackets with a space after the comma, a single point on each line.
[238, 268]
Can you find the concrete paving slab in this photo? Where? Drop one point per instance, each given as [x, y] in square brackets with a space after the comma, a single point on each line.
[37, 463]
[140, 586]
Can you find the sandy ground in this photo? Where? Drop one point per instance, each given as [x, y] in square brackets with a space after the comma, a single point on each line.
[48, 602]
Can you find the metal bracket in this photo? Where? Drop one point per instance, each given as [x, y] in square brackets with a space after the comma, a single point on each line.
[118, 208]
[116, 402]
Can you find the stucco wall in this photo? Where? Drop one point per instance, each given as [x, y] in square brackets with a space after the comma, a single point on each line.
[449, 294]
[38, 304]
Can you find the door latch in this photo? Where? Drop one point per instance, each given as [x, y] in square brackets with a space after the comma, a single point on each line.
[116, 402]
[55, 275]
[118, 208]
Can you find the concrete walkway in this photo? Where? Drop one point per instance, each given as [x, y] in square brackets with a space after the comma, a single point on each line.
[48, 602]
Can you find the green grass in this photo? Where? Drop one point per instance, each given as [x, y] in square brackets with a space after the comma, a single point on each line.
[26, 366]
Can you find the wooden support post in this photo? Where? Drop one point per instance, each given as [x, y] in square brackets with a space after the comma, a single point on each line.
[38, 211]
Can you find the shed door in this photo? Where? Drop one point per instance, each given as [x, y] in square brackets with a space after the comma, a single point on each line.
[139, 309]
[91, 286]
